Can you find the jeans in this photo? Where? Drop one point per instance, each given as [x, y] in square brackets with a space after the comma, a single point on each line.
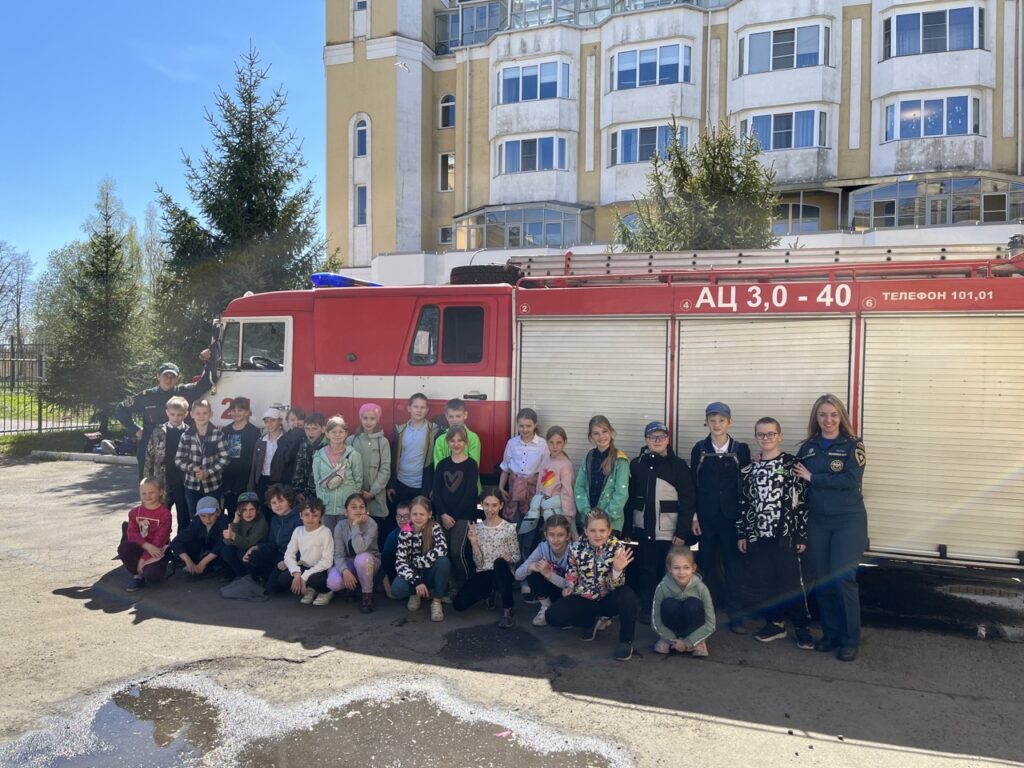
[480, 585]
[719, 561]
[835, 544]
[775, 583]
[232, 557]
[435, 577]
[576, 611]
[363, 566]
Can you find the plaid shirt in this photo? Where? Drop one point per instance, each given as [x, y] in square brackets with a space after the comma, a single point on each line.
[209, 453]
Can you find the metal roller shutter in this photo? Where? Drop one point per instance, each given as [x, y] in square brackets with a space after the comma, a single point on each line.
[760, 367]
[942, 426]
[572, 369]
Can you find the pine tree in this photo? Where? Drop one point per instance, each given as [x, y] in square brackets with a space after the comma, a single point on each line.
[95, 352]
[256, 228]
[713, 195]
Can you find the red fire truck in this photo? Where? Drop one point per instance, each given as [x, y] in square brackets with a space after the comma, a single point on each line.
[926, 348]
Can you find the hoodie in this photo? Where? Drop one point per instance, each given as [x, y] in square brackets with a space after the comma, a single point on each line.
[375, 452]
[668, 589]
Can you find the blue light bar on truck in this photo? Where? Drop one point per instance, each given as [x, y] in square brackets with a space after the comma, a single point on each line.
[332, 280]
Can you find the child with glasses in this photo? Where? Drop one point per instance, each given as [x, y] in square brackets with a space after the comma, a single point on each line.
[771, 532]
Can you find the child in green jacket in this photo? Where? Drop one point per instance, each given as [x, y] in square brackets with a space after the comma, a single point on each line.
[603, 478]
[682, 613]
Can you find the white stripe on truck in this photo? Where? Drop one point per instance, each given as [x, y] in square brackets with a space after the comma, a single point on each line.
[360, 387]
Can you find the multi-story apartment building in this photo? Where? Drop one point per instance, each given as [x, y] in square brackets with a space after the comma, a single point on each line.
[504, 124]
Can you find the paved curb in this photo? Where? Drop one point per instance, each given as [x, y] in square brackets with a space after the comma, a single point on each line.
[96, 458]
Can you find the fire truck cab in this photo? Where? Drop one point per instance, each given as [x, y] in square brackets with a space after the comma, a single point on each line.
[926, 349]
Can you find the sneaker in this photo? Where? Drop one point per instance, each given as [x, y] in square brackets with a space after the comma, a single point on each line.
[507, 619]
[308, 596]
[324, 598]
[700, 650]
[603, 623]
[804, 640]
[414, 602]
[436, 611]
[366, 603]
[662, 646]
[772, 630]
[447, 599]
[624, 652]
[540, 620]
[135, 584]
[530, 598]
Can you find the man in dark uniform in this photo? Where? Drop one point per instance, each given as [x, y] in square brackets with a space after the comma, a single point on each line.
[151, 403]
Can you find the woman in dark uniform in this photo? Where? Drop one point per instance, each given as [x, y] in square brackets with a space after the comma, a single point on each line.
[832, 460]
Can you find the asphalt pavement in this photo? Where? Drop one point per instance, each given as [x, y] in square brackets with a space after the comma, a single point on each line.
[74, 641]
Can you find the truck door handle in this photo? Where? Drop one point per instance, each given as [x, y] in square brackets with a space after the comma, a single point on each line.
[474, 396]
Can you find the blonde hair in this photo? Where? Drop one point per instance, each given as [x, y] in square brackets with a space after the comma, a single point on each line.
[336, 421]
[156, 484]
[202, 402]
[609, 462]
[684, 552]
[178, 403]
[428, 528]
[845, 427]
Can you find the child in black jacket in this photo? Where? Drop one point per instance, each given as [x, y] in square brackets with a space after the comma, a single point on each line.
[200, 544]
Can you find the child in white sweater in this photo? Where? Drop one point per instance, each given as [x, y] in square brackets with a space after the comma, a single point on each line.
[495, 552]
[309, 556]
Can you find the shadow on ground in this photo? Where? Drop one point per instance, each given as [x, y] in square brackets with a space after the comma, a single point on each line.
[916, 691]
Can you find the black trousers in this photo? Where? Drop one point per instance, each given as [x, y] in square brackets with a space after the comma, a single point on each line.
[648, 567]
[480, 585]
[174, 494]
[317, 582]
[775, 583]
[683, 617]
[720, 562]
[576, 611]
[263, 565]
[541, 587]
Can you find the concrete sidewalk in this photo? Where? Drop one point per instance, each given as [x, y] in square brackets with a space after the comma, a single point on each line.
[912, 698]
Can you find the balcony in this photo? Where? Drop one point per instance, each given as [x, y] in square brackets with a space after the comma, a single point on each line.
[971, 68]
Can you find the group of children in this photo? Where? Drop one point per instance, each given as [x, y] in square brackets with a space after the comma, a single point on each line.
[358, 515]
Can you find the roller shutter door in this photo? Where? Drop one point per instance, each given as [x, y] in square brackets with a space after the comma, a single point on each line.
[943, 415]
[765, 367]
[572, 369]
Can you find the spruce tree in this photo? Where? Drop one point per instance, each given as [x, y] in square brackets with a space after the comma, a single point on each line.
[713, 195]
[95, 350]
[255, 226]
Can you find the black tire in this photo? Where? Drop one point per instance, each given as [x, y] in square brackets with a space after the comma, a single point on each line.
[486, 274]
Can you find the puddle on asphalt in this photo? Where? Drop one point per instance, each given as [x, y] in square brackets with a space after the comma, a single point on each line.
[413, 732]
[187, 721]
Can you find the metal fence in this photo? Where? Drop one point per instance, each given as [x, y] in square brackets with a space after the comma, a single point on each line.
[22, 409]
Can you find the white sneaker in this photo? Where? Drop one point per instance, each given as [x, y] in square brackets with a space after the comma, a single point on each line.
[436, 611]
[603, 623]
[540, 620]
[662, 646]
[308, 596]
[414, 603]
[324, 598]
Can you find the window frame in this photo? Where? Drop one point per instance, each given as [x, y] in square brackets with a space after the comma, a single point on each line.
[362, 204]
[446, 172]
[891, 39]
[818, 122]
[962, 107]
[446, 105]
[361, 138]
[506, 79]
[683, 64]
[762, 49]
[617, 144]
[529, 154]
[239, 363]
[440, 235]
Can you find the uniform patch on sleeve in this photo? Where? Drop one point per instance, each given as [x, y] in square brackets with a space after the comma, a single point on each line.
[836, 465]
[859, 454]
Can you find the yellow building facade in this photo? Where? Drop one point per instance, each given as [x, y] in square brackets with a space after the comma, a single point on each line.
[506, 124]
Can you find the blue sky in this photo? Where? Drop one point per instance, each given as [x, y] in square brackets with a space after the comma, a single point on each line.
[118, 88]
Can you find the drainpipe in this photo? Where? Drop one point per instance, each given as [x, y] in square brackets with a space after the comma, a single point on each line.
[469, 128]
[707, 72]
[1020, 81]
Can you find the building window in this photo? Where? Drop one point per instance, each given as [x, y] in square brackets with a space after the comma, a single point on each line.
[638, 145]
[446, 33]
[361, 138]
[796, 219]
[534, 82]
[926, 118]
[446, 172]
[361, 205]
[480, 22]
[444, 236]
[525, 225]
[361, 5]
[806, 46]
[953, 29]
[650, 66]
[522, 155]
[937, 202]
[788, 130]
[447, 119]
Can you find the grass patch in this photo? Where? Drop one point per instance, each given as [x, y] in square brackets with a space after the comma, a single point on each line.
[21, 445]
